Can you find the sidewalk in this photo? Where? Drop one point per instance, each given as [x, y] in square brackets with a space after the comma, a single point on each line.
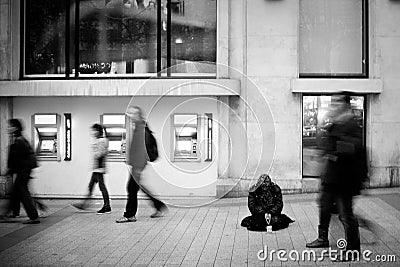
[208, 235]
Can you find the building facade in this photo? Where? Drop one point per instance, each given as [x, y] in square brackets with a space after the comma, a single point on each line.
[231, 89]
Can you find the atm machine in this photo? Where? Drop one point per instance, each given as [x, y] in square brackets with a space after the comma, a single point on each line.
[114, 130]
[185, 136]
[46, 135]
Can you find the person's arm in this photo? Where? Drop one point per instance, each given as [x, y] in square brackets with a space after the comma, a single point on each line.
[254, 206]
[276, 206]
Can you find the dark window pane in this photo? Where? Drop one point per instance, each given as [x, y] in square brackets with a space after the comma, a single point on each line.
[117, 37]
[45, 37]
[316, 114]
[193, 36]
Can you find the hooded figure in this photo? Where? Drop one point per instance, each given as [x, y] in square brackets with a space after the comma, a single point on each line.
[265, 205]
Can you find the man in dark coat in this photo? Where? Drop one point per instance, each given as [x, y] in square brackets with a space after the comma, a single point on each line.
[344, 172]
[137, 160]
[21, 161]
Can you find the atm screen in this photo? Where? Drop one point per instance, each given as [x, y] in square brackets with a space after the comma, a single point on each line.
[47, 146]
[114, 146]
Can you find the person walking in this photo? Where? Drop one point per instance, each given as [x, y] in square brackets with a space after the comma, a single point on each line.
[343, 175]
[99, 150]
[21, 161]
[137, 160]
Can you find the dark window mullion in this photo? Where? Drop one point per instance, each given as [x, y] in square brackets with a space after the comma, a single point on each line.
[365, 33]
[76, 41]
[169, 33]
[22, 42]
[67, 37]
[159, 29]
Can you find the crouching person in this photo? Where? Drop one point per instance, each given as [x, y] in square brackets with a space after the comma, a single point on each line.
[265, 205]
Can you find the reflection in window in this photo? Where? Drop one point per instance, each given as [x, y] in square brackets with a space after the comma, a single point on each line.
[193, 36]
[185, 136]
[119, 37]
[316, 114]
[332, 38]
[114, 129]
[46, 135]
[45, 37]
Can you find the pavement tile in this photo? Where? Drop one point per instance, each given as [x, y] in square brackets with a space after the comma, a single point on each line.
[201, 236]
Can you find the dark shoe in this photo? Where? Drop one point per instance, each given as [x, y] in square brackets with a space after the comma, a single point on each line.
[13, 216]
[35, 221]
[104, 210]
[124, 219]
[322, 240]
[160, 213]
[318, 243]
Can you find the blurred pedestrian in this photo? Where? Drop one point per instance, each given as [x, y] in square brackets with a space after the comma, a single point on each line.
[21, 161]
[99, 150]
[137, 160]
[344, 172]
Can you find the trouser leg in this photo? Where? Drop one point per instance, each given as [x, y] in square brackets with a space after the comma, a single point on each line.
[325, 209]
[15, 202]
[133, 189]
[92, 182]
[103, 190]
[27, 201]
[157, 204]
[346, 216]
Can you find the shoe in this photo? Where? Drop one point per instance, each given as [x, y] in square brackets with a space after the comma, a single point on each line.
[13, 216]
[158, 214]
[104, 210]
[318, 243]
[78, 206]
[35, 221]
[322, 240]
[124, 219]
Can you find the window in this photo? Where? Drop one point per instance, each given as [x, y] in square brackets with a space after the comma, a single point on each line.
[185, 128]
[46, 136]
[315, 116]
[114, 129]
[107, 38]
[333, 38]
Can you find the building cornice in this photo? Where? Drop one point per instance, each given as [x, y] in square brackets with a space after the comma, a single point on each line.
[121, 87]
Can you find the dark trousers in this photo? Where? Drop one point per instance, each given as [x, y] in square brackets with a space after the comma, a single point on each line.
[133, 189]
[344, 205]
[20, 193]
[97, 178]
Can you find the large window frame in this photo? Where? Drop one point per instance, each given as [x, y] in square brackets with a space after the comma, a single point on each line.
[161, 72]
[364, 48]
[364, 121]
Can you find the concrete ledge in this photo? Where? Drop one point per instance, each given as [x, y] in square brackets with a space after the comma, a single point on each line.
[235, 188]
[321, 86]
[121, 87]
[310, 185]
